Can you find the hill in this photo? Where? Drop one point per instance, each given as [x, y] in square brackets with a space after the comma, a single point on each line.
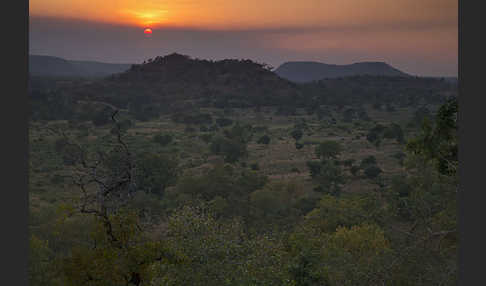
[165, 80]
[59, 67]
[311, 71]
[180, 85]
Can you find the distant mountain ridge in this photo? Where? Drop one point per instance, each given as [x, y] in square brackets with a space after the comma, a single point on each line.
[306, 71]
[59, 67]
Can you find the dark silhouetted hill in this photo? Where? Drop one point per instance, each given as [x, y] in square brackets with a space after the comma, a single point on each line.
[312, 71]
[175, 78]
[59, 67]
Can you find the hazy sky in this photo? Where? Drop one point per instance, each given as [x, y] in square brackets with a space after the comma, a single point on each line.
[416, 36]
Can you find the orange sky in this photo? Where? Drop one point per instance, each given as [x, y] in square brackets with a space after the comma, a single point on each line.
[419, 36]
[237, 14]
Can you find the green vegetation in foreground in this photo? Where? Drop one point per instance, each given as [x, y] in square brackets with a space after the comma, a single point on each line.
[226, 197]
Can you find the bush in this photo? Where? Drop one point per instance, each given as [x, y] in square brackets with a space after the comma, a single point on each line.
[306, 204]
[314, 168]
[354, 170]
[298, 145]
[295, 170]
[265, 139]
[155, 173]
[394, 131]
[330, 178]
[348, 162]
[372, 172]
[368, 161]
[363, 115]
[296, 134]
[232, 150]
[223, 122]
[162, 139]
[328, 149]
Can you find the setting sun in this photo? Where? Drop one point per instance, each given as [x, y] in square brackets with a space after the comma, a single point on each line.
[147, 31]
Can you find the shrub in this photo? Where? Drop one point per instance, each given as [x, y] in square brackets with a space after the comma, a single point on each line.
[232, 150]
[298, 145]
[348, 162]
[368, 161]
[328, 149]
[314, 168]
[265, 139]
[306, 204]
[223, 122]
[354, 170]
[372, 172]
[330, 178]
[155, 173]
[296, 134]
[295, 170]
[162, 139]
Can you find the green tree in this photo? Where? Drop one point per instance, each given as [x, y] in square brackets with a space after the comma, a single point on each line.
[231, 149]
[426, 199]
[123, 256]
[328, 150]
[372, 172]
[155, 173]
[439, 142]
[330, 178]
[41, 263]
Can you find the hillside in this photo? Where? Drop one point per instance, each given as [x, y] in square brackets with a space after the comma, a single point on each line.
[175, 77]
[59, 67]
[311, 71]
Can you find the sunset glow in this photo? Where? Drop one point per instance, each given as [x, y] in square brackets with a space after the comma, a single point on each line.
[145, 18]
[235, 14]
[412, 33]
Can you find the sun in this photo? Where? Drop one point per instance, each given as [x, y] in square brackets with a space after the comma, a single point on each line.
[148, 31]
